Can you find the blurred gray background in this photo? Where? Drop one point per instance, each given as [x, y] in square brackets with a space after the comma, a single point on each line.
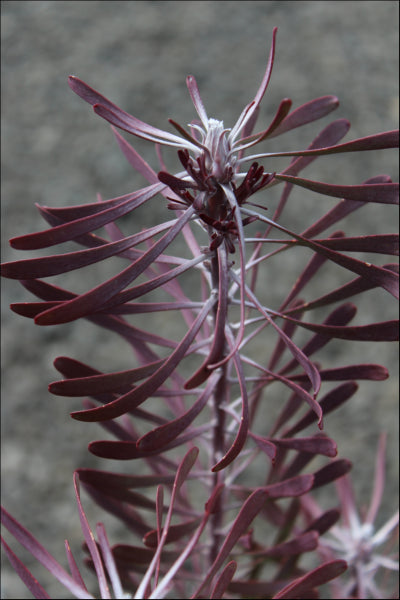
[56, 152]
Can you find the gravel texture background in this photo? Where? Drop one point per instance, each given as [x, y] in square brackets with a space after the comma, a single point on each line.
[57, 153]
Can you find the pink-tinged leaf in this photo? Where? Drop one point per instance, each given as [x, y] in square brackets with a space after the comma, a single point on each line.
[328, 403]
[387, 193]
[247, 513]
[327, 474]
[71, 230]
[175, 532]
[223, 580]
[25, 575]
[27, 540]
[166, 433]
[307, 113]
[315, 445]
[291, 488]
[369, 372]
[138, 395]
[90, 541]
[301, 587]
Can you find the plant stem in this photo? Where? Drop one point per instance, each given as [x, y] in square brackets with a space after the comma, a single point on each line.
[220, 397]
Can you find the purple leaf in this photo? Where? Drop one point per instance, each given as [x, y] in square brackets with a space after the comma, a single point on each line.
[35, 268]
[328, 403]
[138, 395]
[175, 532]
[386, 193]
[27, 540]
[73, 567]
[305, 542]
[354, 287]
[377, 141]
[116, 116]
[307, 113]
[249, 510]
[386, 331]
[314, 444]
[93, 300]
[387, 243]
[98, 384]
[90, 541]
[323, 523]
[25, 575]
[241, 434]
[301, 587]
[107, 479]
[219, 342]
[290, 488]
[371, 372]
[69, 231]
[335, 469]
[109, 561]
[166, 433]
[134, 159]
[223, 581]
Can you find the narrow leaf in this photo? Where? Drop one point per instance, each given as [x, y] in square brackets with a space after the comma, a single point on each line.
[319, 576]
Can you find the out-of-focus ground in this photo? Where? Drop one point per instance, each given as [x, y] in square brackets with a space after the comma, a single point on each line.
[56, 152]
